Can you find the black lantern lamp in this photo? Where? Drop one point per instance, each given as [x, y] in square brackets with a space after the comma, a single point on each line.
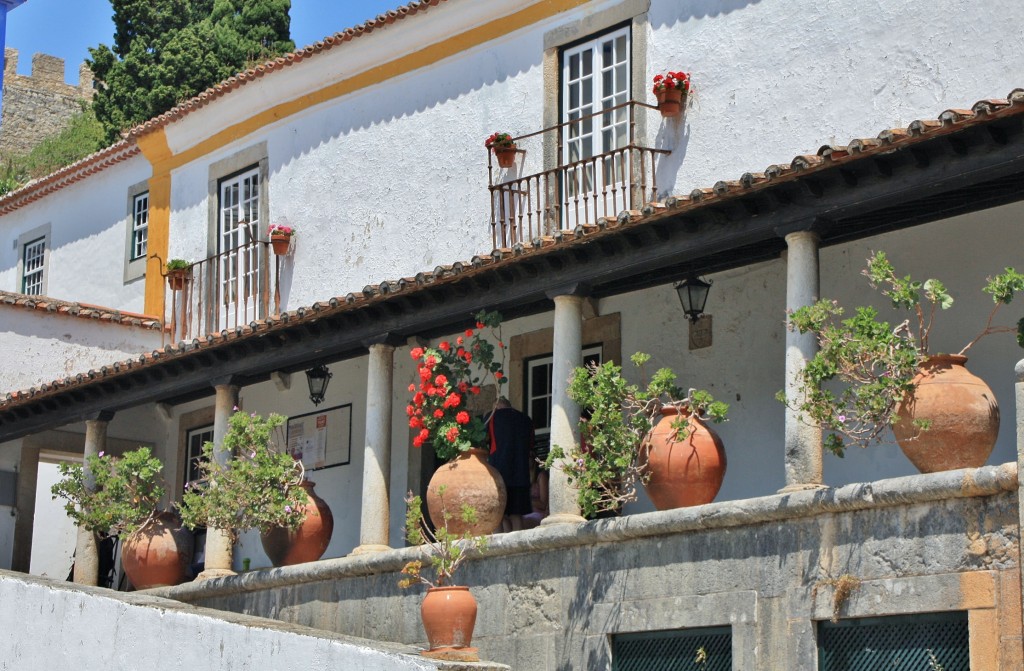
[318, 377]
[693, 294]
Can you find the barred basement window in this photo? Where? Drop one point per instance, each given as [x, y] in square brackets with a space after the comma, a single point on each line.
[703, 649]
[33, 257]
[897, 643]
[140, 226]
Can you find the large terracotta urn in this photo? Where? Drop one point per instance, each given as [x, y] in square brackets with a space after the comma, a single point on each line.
[684, 471]
[962, 416]
[309, 541]
[468, 480]
[158, 554]
[449, 616]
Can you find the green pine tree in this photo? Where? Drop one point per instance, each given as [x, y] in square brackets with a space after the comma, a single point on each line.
[166, 51]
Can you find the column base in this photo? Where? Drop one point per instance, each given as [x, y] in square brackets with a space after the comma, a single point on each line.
[369, 549]
[211, 573]
[805, 487]
[562, 518]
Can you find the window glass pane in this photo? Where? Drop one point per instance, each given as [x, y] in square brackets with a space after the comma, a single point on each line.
[588, 91]
[620, 48]
[33, 256]
[140, 226]
[574, 66]
[574, 95]
[588, 62]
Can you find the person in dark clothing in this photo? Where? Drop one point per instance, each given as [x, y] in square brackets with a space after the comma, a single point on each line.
[511, 451]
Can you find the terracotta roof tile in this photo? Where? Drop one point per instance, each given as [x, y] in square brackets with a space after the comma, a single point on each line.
[800, 166]
[80, 310]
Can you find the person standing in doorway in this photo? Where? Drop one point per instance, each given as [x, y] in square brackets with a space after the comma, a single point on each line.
[511, 434]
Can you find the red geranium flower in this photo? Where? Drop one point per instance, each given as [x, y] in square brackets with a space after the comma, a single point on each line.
[444, 346]
[462, 417]
[416, 353]
[453, 434]
[439, 413]
[452, 401]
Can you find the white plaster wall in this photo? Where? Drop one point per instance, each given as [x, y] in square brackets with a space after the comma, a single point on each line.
[53, 543]
[87, 242]
[93, 629]
[43, 346]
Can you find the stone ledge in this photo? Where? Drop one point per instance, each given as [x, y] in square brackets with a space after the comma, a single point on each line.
[909, 490]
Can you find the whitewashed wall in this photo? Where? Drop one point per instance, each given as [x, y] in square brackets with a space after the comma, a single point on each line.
[88, 239]
[53, 543]
[41, 346]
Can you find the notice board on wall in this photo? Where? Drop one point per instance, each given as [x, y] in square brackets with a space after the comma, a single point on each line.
[322, 438]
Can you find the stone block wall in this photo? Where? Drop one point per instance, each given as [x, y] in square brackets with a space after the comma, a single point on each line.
[40, 105]
[551, 598]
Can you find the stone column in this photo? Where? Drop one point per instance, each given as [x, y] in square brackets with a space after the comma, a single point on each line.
[1019, 394]
[25, 504]
[566, 355]
[87, 559]
[219, 552]
[376, 511]
[803, 441]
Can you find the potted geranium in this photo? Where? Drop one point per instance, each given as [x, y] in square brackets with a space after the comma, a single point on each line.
[448, 610]
[448, 375]
[281, 238]
[120, 496]
[678, 457]
[178, 273]
[504, 149]
[869, 375]
[260, 487]
[669, 89]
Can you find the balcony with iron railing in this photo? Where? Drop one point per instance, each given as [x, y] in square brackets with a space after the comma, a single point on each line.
[576, 186]
[225, 291]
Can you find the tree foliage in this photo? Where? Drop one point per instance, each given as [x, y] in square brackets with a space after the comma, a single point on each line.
[166, 51]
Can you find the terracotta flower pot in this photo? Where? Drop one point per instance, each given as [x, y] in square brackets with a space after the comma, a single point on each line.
[449, 616]
[670, 102]
[687, 472]
[280, 243]
[469, 480]
[506, 156]
[308, 543]
[963, 415]
[177, 279]
[158, 554]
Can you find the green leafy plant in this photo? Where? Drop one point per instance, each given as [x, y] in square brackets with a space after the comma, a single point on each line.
[499, 141]
[445, 550]
[111, 495]
[258, 488]
[865, 366]
[177, 264]
[605, 466]
[448, 375]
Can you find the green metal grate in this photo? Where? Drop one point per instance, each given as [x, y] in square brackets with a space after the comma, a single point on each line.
[927, 642]
[705, 649]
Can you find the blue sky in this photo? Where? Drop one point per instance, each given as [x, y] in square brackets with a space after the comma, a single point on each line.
[67, 28]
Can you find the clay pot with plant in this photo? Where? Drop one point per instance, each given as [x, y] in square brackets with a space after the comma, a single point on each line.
[503, 147]
[260, 487]
[656, 434]
[281, 238]
[110, 495]
[869, 375]
[448, 611]
[448, 375]
[670, 89]
[178, 274]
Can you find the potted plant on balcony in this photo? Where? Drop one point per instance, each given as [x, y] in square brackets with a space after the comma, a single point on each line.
[178, 273]
[448, 375]
[281, 238]
[503, 147]
[120, 496]
[448, 611]
[669, 89]
[260, 487]
[869, 375]
[679, 458]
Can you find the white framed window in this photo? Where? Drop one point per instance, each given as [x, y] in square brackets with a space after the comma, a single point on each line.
[140, 226]
[537, 394]
[33, 263]
[595, 76]
[239, 220]
[194, 441]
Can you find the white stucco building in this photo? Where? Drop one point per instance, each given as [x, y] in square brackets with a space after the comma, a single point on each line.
[814, 135]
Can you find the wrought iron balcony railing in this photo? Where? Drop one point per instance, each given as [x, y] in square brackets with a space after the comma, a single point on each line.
[225, 291]
[583, 186]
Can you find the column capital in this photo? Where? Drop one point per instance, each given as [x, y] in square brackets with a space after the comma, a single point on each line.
[810, 225]
[101, 416]
[225, 381]
[390, 339]
[575, 289]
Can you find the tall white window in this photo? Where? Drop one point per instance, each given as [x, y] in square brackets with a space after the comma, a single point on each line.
[194, 441]
[239, 222]
[33, 258]
[140, 226]
[595, 78]
[538, 394]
